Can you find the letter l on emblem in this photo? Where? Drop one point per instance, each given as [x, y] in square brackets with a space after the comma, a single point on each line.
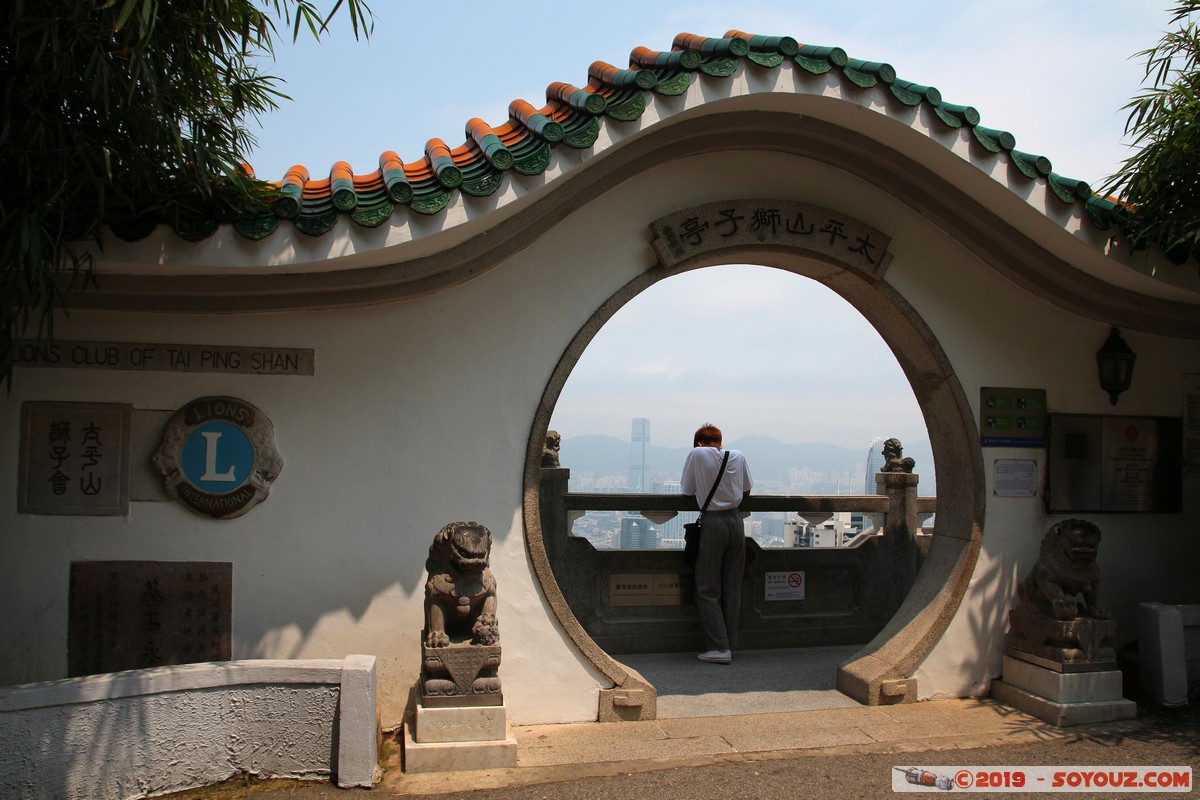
[210, 460]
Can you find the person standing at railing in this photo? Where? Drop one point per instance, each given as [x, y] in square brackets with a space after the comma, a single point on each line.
[722, 539]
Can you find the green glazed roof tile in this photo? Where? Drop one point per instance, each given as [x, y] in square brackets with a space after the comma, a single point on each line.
[573, 116]
[196, 230]
[258, 227]
[672, 84]
[994, 140]
[927, 94]
[879, 70]
[835, 56]
[626, 109]
[534, 163]
[1031, 165]
[1069, 190]
[374, 216]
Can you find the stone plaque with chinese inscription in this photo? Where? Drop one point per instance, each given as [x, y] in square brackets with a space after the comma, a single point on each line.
[74, 459]
[739, 224]
[649, 589]
[136, 614]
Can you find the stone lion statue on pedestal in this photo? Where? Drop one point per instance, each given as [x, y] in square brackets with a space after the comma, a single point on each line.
[1057, 617]
[460, 650]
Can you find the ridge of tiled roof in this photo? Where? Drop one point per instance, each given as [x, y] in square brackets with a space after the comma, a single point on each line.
[572, 118]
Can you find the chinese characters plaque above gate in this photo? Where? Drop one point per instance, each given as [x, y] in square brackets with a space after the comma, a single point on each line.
[74, 458]
[812, 230]
[218, 456]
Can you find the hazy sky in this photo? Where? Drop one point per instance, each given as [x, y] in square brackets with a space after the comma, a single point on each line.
[807, 366]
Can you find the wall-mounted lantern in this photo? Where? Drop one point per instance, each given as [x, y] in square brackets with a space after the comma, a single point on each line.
[1115, 362]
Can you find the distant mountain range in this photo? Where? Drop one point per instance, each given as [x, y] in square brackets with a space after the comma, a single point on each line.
[769, 459]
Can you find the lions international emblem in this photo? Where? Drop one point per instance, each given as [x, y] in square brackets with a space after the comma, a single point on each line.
[218, 456]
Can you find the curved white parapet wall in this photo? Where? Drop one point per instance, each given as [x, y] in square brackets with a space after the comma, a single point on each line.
[151, 731]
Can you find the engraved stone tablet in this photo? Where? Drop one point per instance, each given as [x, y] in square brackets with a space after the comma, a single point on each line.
[74, 459]
[135, 614]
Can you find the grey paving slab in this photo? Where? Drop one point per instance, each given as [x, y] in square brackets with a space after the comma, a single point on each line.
[797, 738]
[758, 681]
[953, 719]
[582, 734]
[620, 749]
[780, 724]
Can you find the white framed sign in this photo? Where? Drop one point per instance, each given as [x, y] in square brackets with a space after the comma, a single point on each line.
[784, 586]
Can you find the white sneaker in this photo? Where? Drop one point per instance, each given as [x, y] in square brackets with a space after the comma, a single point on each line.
[716, 657]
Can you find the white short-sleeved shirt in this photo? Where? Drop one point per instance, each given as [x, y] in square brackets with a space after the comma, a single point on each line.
[700, 470]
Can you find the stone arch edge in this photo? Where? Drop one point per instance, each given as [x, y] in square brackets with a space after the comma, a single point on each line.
[881, 672]
[632, 697]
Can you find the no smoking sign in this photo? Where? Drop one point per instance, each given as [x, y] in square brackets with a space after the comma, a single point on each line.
[784, 586]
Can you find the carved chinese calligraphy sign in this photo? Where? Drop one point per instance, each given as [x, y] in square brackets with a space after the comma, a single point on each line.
[218, 456]
[816, 231]
[135, 614]
[74, 458]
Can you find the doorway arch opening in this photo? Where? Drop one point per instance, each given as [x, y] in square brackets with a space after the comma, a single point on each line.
[881, 670]
[770, 357]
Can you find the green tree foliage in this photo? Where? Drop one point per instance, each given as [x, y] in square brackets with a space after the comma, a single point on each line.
[123, 115]
[1161, 180]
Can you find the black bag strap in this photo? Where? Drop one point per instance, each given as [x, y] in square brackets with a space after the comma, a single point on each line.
[716, 483]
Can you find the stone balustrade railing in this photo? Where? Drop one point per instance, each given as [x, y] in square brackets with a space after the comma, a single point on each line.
[850, 592]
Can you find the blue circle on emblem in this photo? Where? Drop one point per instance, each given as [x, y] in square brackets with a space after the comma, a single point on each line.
[217, 457]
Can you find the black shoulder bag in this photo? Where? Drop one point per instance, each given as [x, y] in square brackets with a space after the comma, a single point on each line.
[691, 530]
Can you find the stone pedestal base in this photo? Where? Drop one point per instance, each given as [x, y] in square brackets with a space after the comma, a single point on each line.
[475, 724]
[460, 675]
[445, 739]
[1063, 698]
[1072, 643]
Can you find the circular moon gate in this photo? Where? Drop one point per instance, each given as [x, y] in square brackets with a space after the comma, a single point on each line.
[882, 670]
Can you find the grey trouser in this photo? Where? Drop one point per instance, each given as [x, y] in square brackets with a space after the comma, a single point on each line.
[719, 577]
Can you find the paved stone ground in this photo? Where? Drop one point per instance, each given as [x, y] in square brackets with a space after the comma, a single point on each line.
[1156, 738]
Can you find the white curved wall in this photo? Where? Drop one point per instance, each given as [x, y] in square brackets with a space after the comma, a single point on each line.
[420, 411]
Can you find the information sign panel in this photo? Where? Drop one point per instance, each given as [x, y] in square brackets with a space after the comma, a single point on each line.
[784, 586]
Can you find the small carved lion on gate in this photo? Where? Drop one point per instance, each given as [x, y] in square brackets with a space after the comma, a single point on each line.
[550, 449]
[460, 595]
[894, 459]
[1064, 581]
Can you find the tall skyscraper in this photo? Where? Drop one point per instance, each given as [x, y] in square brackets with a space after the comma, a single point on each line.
[639, 441]
[874, 464]
[638, 534]
[858, 520]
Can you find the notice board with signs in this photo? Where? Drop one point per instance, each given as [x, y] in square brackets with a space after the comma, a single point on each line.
[1012, 417]
[1101, 463]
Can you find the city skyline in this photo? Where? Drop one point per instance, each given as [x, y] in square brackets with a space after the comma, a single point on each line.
[597, 464]
[831, 378]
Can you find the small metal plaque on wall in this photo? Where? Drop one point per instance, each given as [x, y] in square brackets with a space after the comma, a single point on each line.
[218, 456]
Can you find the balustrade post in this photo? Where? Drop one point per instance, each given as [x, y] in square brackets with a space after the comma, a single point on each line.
[900, 534]
[555, 524]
